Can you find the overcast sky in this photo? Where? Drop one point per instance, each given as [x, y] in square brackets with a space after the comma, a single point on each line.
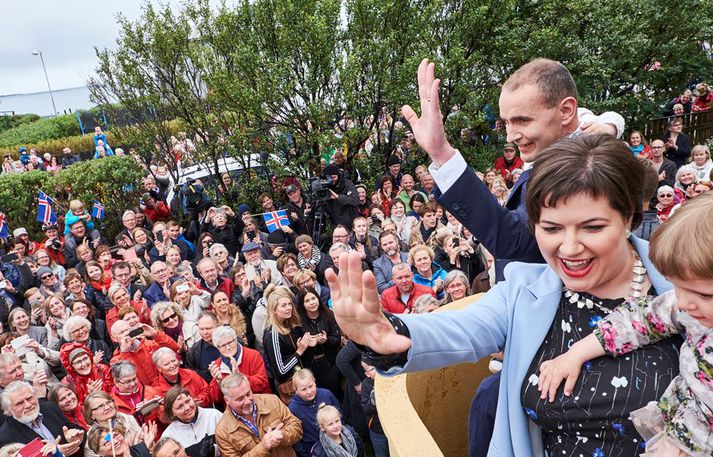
[66, 31]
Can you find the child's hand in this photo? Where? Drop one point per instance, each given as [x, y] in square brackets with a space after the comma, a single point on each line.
[552, 372]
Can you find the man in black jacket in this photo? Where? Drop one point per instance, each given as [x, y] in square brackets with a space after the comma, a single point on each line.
[202, 353]
[343, 199]
[29, 418]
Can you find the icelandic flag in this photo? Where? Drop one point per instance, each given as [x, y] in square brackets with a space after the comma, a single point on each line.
[98, 210]
[4, 230]
[45, 213]
[276, 219]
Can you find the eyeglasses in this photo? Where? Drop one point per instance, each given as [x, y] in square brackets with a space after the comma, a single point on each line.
[656, 147]
[48, 276]
[79, 330]
[166, 319]
[666, 195]
[104, 406]
[226, 345]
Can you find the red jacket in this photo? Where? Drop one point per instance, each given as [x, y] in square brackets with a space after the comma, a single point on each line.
[204, 393]
[141, 358]
[159, 212]
[79, 382]
[139, 306]
[56, 255]
[506, 171]
[253, 367]
[126, 404]
[225, 284]
[391, 298]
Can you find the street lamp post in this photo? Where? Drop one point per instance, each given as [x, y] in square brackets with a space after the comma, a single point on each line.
[39, 53]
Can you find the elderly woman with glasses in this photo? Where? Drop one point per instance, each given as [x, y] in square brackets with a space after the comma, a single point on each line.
[168, 317]
[234, 358]
[170, 374]
[99, 410]
[131, 396]
[83, 372]
[78, 329]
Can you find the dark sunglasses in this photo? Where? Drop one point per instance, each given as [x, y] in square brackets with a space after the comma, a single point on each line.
[665, 195]
[166, 319]
[46, 277]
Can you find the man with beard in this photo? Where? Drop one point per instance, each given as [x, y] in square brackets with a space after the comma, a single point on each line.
[78, 235]
[28, 419]
[343, 198]
[298, 210]
[391, 256]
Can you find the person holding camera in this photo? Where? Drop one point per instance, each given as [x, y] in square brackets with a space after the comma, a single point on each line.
[343, 201]
[137, 346]
[53, 243]
[216, 223]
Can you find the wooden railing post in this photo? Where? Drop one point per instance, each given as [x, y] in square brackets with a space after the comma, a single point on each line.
[698, 125]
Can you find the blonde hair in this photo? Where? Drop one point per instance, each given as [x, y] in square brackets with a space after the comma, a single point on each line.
[273, 295]
[76, 205]
[325, 411]
[418, 248]
[699, 148]
[671, 248]
[303, 374]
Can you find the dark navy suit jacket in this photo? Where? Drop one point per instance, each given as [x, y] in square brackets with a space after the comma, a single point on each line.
[501, 229]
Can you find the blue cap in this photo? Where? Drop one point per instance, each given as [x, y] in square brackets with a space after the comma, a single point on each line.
[22, 149]
[250, 246]
[243, 208]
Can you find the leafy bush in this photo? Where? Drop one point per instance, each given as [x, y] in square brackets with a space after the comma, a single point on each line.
[40, 130]
[114, 181]
[8, 122]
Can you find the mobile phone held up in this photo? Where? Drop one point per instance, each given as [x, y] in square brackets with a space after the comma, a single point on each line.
[136, 332]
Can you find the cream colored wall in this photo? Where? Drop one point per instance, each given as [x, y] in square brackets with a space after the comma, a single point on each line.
[426, 414]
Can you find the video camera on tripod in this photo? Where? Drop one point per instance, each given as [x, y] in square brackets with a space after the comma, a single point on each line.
[320, 187]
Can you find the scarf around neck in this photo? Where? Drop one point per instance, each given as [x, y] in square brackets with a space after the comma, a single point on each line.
[331, 447]
[311, 262]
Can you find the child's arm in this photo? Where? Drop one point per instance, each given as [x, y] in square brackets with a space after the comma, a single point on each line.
[567, 366]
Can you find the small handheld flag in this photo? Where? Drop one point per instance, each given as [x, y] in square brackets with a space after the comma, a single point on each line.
[4, 229]
[98, 210]
[276, 219]
[45, 213]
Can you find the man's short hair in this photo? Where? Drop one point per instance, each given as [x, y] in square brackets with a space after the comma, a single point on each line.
[232, 381]
[400, 266]
[384, 234]
[430, 207]
[338, 247]
[554, 82]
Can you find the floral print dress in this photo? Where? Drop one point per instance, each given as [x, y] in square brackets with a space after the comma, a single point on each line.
[594, 420]
[685, 411]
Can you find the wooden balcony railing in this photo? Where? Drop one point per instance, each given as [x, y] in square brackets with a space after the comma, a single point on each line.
[699, 126]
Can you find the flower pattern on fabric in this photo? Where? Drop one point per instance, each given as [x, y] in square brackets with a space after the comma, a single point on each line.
[594, 421]
[685, 410]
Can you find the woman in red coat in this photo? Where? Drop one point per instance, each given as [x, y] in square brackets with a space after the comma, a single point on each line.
[84, 373]
[170, 374]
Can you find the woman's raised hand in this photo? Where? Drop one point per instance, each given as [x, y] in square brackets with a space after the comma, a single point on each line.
[428, 129]
[355, 303]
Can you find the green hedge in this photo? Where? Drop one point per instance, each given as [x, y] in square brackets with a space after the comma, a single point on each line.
[8, 122]
[40, 130]
[114, 181]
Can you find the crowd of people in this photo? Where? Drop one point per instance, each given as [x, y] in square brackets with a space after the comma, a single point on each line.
[231, 334]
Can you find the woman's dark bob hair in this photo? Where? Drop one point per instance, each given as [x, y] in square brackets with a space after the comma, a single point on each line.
[596, 165]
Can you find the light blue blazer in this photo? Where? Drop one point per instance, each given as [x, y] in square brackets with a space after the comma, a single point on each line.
[515, 315]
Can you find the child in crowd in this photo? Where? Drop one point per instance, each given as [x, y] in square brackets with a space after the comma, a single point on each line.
[680, 424]
[75, 213]
[304, 406]
[335, 439]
